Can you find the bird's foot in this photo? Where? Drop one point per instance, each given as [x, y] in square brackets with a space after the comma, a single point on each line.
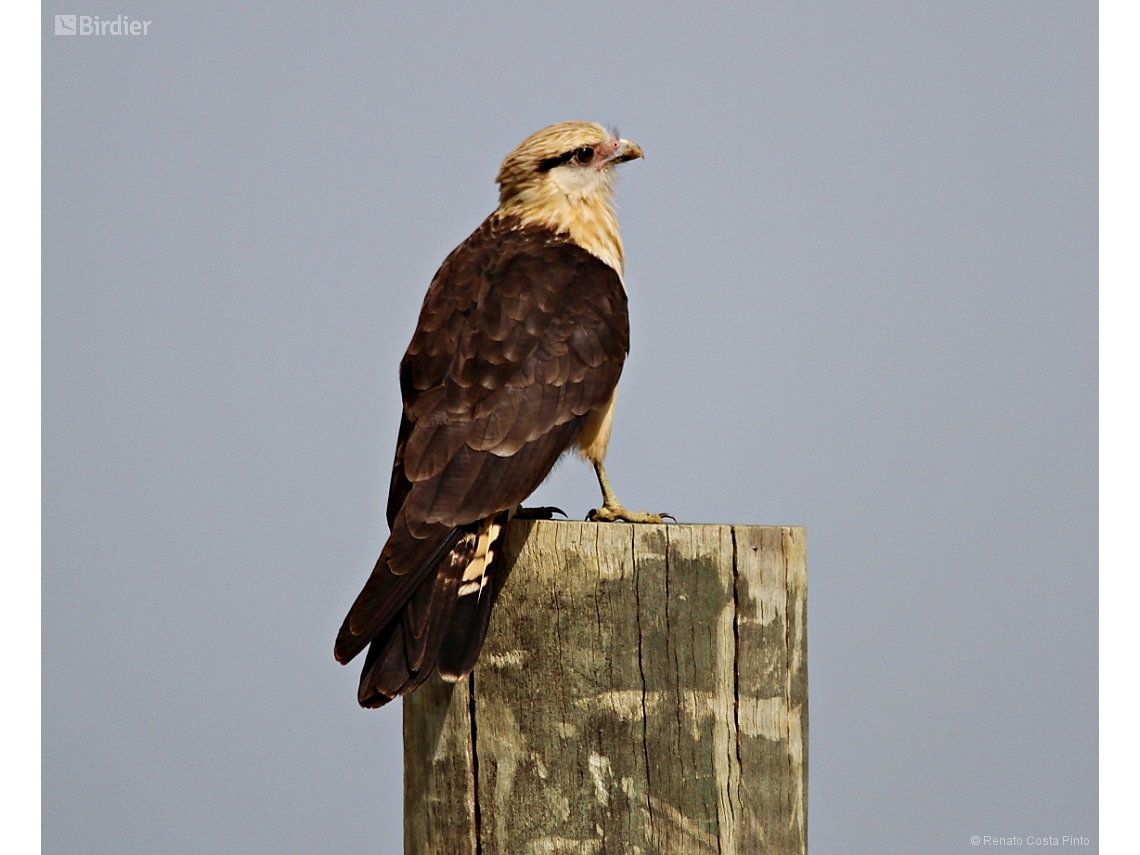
[543, 513]
[614, 513]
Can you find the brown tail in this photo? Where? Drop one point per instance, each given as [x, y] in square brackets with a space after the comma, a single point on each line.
[435, 613]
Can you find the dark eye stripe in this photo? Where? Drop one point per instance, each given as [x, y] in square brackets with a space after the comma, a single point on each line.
[565, 157]
[551, 162]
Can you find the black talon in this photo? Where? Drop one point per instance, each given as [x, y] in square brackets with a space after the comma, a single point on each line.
[546, 512]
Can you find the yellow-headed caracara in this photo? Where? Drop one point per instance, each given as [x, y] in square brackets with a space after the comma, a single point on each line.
[515, 360]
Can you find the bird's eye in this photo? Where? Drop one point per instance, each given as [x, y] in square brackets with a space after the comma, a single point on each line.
[584, 155]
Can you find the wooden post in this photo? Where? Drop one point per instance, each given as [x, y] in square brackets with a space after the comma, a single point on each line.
[642, 689]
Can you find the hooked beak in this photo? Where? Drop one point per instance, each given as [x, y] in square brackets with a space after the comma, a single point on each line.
[625, 150]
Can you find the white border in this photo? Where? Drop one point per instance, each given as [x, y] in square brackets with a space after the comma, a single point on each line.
[20, 427]
[1119, 424]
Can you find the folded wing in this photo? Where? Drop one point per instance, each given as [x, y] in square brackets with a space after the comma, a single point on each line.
[521, 335]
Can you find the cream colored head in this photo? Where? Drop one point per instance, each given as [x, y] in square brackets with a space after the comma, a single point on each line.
[562, 177]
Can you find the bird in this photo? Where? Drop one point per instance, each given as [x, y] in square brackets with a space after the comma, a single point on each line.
[514, 362]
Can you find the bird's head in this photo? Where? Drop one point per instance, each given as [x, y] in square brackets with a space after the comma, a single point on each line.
[569, 163]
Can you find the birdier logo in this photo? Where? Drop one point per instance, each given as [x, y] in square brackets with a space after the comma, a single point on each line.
[85, 25]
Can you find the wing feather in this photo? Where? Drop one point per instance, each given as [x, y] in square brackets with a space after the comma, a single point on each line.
[521, 334]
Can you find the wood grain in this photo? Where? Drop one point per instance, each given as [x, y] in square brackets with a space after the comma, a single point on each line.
[643, 689]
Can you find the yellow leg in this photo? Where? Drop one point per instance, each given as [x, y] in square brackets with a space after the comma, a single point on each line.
[612, 510]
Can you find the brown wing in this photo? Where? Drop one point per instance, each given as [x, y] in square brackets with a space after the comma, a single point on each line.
[522, 333]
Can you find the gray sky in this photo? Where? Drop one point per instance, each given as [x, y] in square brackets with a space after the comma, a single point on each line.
[862, 275]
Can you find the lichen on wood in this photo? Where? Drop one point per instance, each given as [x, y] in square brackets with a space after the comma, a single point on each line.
[642, 689]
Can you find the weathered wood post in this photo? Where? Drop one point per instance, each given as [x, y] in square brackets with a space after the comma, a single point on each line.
[643, 689]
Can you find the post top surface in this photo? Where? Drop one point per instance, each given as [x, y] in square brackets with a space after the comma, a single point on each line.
[653, 527]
